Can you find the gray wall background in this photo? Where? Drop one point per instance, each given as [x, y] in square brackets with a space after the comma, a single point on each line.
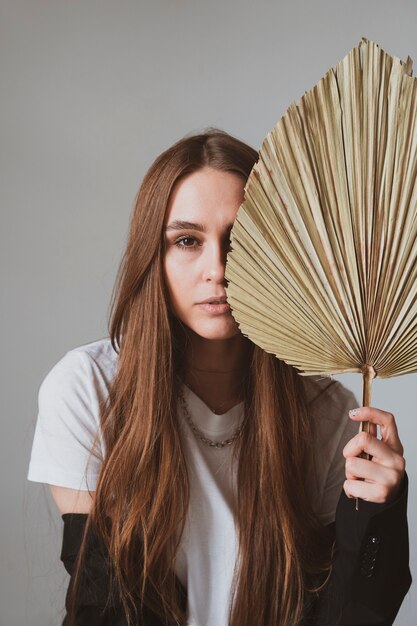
[91, 92]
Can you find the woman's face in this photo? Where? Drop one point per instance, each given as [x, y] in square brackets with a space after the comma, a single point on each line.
[200, 215]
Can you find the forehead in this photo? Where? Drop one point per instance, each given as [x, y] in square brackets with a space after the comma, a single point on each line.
[206, 194]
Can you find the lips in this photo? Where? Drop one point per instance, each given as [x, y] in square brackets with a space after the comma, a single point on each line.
[213, 306]
[215, 300]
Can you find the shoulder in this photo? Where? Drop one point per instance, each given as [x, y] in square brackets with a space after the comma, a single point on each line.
[329, 402]
[98, 355]
[87, 369]
[324, 393]
[68, 447]
[71, 395]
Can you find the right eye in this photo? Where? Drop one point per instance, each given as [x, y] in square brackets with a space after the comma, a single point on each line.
[185, 243]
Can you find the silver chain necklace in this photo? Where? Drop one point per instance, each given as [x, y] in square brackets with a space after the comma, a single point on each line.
[200, 435]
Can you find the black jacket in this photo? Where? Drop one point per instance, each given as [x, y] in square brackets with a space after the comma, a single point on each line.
[369, 580]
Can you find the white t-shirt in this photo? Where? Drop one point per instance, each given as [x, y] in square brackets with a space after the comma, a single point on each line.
[68, 425]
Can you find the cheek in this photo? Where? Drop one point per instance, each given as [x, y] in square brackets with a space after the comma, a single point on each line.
[169, 276]
[177, 281]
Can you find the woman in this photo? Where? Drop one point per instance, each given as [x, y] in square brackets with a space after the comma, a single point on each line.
[208, 494]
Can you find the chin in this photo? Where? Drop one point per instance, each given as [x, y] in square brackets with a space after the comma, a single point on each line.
[215, 332]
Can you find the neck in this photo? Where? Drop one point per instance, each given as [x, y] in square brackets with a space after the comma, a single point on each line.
[215, 369]
[216, 357]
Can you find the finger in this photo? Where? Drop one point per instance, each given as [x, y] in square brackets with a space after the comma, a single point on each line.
[373, 492]
[372, 472]
[368, 427]
[385, 420]
[379, 450]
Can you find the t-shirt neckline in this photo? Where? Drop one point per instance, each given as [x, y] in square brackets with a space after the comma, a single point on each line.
[207, 421]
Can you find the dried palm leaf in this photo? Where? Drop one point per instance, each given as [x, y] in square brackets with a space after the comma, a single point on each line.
[323, 266]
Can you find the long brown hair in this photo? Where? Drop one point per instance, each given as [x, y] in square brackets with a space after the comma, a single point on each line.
[142, 495]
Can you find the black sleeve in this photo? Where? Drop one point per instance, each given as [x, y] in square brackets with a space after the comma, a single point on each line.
[371, 574]
[97, 602]
[96, 605]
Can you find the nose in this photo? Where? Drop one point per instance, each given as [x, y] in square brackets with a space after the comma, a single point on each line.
[215, 263]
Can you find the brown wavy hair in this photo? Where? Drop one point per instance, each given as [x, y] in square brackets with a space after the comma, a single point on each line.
[142, 496]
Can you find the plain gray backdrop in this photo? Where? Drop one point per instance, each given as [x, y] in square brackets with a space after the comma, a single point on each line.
[91, 92]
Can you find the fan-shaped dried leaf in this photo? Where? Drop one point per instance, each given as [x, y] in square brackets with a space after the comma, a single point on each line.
[323, 266]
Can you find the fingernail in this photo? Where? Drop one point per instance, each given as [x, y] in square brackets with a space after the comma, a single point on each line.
[354, 412]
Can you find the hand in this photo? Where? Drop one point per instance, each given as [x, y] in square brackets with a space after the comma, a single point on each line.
[382, 476]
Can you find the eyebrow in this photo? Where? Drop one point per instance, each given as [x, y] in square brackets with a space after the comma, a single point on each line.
[184, 225]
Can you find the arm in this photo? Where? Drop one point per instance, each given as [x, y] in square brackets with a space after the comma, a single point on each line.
[93, 606]
[71, 500]
[67, 455]
[94, 586]
[97, 602]
[370, 575]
